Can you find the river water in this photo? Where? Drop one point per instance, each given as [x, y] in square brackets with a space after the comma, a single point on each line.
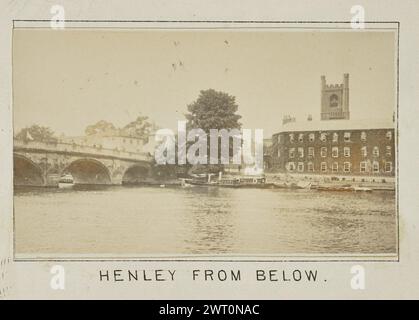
[202, 220]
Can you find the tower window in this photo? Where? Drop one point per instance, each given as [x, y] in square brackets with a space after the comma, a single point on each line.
[334, 100]
[389, 135]
[335, 167]
[335, 152]
[323, 152]
[323, 166]
[335, 137]
[375, 151]
[388, 166]
[291, 137]
[323, 137]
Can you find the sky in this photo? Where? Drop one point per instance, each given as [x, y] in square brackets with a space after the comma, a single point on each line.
[69, 79]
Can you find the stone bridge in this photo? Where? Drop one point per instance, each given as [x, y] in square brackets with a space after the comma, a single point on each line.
[42, 164]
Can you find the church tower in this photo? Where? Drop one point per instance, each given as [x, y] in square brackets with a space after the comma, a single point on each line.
[335, 99]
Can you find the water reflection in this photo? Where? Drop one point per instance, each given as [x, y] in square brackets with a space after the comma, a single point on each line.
[202, 220]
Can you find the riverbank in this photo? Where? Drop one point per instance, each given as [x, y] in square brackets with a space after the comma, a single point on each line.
[332, 182]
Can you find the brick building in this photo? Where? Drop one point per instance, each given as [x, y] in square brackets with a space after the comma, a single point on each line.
[336, 145]
[341, 148]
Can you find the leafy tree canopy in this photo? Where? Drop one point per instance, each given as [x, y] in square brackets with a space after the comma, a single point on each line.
[36, 133]
[213, 110]
[100, 127]
[140, 128]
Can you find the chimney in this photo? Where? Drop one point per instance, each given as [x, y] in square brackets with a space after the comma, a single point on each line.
[287, 118]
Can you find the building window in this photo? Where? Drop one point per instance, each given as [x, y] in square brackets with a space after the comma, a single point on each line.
[301, 152]
[323, 166]
[291, 166]
[388, 166]
[311, 137]
[347, 151]
[388, 151]
[335, 137]
[335, 167]
[363, 136]
[335, 152]
[323, 137]
[310, 151]
[300, 137]
[300, 167]
[389, 135]
[347, 137]
[375, 151]
[310, 167]
[291, 153]
[279, 153]
[363, 166]
[323, 152]
[347, 167]
[291, 137]
[375, 167]
[364, 152]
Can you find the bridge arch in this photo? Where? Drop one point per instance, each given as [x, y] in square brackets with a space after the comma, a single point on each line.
[135, 174]
[26, 172]
[88, 171]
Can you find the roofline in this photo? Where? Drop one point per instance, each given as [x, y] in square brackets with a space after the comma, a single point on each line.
[344, 129]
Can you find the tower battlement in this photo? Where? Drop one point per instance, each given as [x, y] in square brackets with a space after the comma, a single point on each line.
[334, 86]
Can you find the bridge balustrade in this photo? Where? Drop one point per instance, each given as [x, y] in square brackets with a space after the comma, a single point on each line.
[77, 148]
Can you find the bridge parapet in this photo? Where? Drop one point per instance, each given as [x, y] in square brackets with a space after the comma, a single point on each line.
[63, 147]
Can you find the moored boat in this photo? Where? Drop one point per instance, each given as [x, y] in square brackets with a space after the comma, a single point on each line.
[344, 188]
[293, 185]
[66, 181]
[231, 181]
[362, 189]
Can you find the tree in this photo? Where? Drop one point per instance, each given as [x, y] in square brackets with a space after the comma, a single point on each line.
[36, 133]
[213, 110]
[140, 128]
[100, 127]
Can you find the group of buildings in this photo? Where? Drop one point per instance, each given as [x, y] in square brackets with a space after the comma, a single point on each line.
[335, 145]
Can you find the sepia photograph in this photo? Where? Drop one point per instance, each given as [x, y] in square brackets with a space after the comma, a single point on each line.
[205, 141]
